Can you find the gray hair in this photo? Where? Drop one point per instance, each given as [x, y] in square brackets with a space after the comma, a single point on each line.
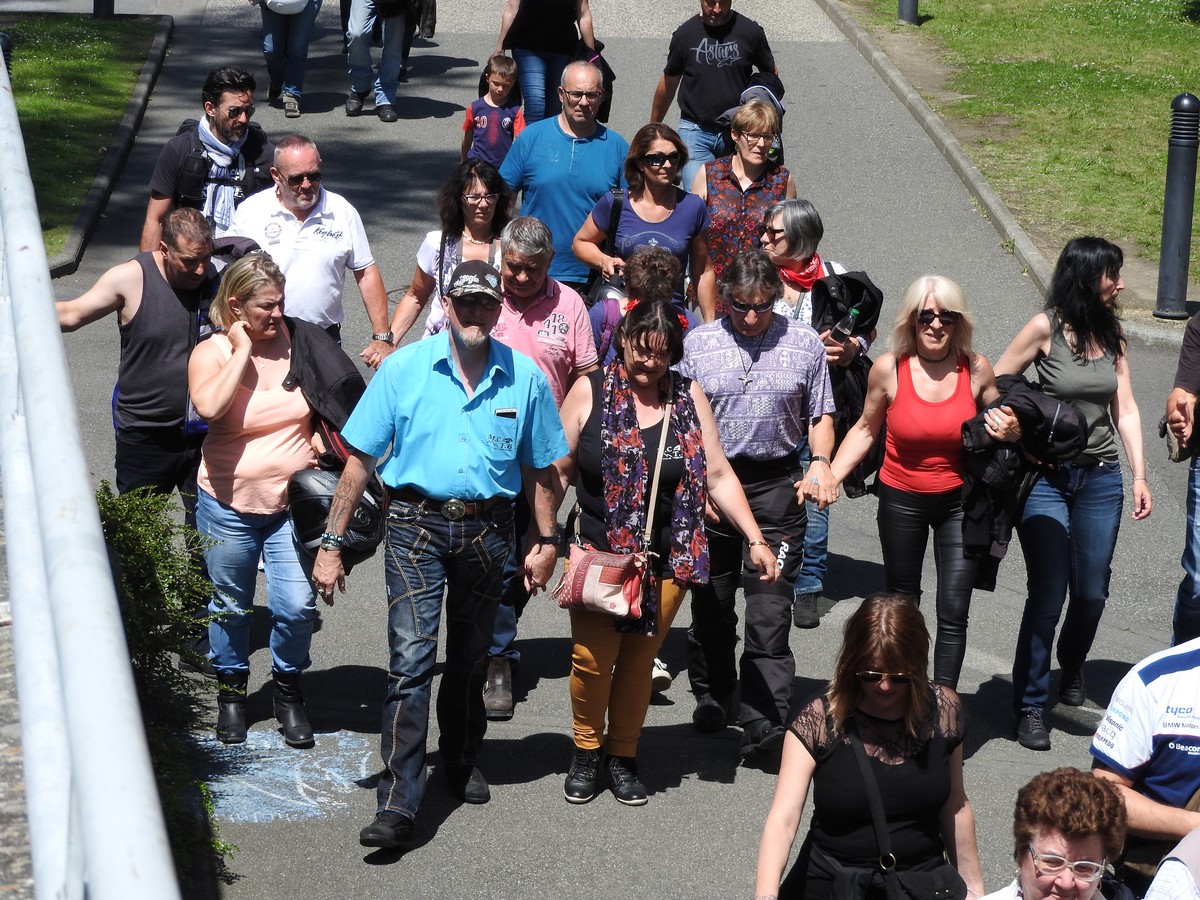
[581, 65]
[751, 275]
[292, 142]
[802, 227]
[527, 236]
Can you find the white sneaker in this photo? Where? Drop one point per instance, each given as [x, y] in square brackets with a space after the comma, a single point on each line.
[660, 677]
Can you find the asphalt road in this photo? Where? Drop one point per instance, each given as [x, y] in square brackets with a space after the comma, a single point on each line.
[891, 206]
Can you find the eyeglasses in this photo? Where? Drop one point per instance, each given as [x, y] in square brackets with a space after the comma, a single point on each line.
[297, 180]
[577, 96]
[876, 677]
[926, 316]
[759, 308]
[772, 234]
[1053, 864]
[234, 111]
[646, 353]
[480, 199]
[486, 302]
[753, 138]
[658, 160]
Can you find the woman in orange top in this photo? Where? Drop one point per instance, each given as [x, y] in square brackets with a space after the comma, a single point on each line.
[926, 387]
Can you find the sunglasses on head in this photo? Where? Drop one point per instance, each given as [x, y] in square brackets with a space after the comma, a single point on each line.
[658, 160]
[876, 677]
[926, 317]
[485, 302]
[297, 180]
[759, 308]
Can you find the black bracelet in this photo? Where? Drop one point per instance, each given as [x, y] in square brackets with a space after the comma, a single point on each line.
[824, 459]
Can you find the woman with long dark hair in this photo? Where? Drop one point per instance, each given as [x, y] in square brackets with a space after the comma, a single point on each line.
[474, 205]
[1069, 525]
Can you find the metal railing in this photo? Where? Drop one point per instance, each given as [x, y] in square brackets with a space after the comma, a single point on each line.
[95, 825]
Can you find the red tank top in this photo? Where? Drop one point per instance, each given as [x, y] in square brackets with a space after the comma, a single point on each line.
[923, 452]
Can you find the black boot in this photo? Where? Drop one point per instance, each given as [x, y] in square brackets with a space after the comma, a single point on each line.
[231, 707]
[289, 710]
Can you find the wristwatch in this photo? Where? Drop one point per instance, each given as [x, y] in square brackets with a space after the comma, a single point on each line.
[547, 539]
[385, 336]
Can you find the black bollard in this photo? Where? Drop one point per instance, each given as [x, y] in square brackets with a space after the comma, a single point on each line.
[6, 46]
[907, 12]
[1179, 198]
[103, 9]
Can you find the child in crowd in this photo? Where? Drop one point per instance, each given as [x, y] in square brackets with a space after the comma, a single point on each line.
[495, 119]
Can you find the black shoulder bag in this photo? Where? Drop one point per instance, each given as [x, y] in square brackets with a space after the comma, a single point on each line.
[942, 883]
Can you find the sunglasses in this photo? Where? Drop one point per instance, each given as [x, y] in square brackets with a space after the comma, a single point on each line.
[234, 111]
[947, 318]
[486, 302]
[759, 308]
[876, 677]
[658, 160]
[297, 180]
[773, 234]
[1052, 864]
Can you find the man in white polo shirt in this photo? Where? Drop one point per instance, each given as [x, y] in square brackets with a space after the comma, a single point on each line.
[314, 236]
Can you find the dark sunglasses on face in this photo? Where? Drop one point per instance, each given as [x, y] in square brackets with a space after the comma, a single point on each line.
[658, 160]
[486, 302]
[297, 180]
[947, 318]
[876, 677]
[234, 111]
[759, 308]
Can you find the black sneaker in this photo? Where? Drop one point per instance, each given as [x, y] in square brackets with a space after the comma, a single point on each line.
[709, 715]
[623, 780]
[1032, 733]
[1071, 688]
[354, 102]
[762, 737]
[468, 784]
[390, 830]
[805, 611]
[387, 113]
[583, 778]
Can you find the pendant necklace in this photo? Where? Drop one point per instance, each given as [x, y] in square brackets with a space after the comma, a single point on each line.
[745, 378]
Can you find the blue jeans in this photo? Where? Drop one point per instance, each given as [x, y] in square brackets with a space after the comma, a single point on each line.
[1187, 600]
[811, 579]
[285, 45]
[424, 554]
[240, 540]
[540, 75]
[358, 53]
[1068, 532]
[513, 597]
[703, 147]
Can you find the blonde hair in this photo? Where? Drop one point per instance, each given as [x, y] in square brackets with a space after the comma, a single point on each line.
[755, 116]
[950, 297]
[242, 280]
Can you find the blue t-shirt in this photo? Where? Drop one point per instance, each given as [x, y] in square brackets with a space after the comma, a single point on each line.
[494, 129]
[562, 177]
[446, 444]
[674, 233]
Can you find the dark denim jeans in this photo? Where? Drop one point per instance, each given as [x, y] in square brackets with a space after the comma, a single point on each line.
[1187, 600]
[424, 554]
[1068, 533]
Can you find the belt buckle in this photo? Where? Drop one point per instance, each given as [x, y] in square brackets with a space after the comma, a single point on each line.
[454, 509]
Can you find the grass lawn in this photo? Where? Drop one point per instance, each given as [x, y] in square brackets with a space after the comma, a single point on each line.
[72, 77]
[1065, 104]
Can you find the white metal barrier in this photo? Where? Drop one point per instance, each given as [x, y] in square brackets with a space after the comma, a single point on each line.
[95, 824]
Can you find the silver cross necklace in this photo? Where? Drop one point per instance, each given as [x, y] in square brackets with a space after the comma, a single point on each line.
[745, 378]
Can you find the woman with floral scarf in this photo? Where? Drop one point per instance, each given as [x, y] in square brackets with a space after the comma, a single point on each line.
[613, 420]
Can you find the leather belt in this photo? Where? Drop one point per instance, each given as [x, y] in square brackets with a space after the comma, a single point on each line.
[452, 509]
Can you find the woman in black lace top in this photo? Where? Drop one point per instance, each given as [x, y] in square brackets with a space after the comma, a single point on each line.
[912, 731]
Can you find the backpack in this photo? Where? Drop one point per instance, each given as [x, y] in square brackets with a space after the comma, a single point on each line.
[194, 174]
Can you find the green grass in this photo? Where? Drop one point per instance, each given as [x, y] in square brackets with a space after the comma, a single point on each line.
[72, 77]
[1067, 105]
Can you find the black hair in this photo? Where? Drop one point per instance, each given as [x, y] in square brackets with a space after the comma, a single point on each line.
[651, 317]
[224, 80]
[450, 201]
[1074, 295]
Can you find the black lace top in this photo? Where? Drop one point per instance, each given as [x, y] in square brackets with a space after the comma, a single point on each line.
[913, 776]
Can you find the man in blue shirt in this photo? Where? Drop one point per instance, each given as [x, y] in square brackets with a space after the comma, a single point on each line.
[469, 423]
[564, 165]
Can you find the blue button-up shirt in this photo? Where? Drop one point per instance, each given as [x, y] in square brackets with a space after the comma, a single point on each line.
[446, 444]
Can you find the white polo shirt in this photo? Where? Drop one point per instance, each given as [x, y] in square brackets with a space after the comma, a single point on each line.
[313, 254]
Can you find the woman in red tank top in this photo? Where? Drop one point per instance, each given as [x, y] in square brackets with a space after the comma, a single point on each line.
[926, 387]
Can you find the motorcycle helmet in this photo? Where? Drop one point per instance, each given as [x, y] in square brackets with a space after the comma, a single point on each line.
[310, 492]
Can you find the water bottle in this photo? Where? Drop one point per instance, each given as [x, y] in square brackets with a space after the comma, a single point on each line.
[843, 329]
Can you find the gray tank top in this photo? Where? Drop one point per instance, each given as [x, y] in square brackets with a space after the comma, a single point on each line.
[1088, 385]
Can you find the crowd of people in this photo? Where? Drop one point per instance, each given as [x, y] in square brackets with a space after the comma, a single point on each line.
[651, 323]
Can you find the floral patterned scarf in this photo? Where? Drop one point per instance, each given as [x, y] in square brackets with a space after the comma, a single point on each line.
[627, 481]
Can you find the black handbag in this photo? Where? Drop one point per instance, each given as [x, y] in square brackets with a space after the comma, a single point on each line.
[942, 883]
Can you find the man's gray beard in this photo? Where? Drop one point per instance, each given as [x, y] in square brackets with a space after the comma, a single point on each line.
[470, 342]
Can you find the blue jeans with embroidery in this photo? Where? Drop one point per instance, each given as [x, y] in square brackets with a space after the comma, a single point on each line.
[703, 146]
[285, 45]
[540, 75]
[426, 554]
[239, 541]
[1068, 532]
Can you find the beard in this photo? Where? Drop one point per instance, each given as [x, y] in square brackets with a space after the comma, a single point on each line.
[470, 337]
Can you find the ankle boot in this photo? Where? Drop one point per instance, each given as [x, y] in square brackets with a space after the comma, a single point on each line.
[289, 710]
[231, 707]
